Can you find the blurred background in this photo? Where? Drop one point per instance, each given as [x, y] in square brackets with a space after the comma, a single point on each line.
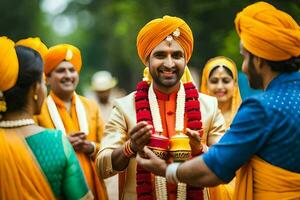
[105, 30]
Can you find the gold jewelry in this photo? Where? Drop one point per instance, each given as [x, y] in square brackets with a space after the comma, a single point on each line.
[35, 97]
[128, 151]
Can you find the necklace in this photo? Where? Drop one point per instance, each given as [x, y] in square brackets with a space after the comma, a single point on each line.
[16, 123]
[146, 111]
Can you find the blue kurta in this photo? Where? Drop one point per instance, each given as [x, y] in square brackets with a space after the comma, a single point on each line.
[266, 125]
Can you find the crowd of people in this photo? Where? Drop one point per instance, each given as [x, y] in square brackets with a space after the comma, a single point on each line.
[166, 140]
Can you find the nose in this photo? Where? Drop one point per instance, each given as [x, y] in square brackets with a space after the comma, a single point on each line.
[219, 84]
[68, 74]
[169, 62]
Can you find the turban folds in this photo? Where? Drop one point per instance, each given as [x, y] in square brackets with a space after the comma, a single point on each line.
[34, 43]
[157, 30]
[9, 64]
[268, 32]
[60, 53]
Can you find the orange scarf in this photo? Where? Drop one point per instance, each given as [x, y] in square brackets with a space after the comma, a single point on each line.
[20, 175]
[261, 180]
[71, 124]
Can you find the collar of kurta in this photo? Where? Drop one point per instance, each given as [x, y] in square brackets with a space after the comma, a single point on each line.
[60, 103]
[165, 97]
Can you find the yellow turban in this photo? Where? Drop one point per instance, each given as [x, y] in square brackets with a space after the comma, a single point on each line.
[9, 65]
[157, 30]
[34, 43]
[60, 53]
[268, 33]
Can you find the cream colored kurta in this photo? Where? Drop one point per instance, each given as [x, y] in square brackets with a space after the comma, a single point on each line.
[123, 119]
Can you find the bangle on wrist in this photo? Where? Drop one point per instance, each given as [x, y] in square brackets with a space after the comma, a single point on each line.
[128, 151]
[171, 173]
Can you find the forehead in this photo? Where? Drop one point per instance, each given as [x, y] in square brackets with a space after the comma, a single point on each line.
[219, 72]
[64, 65]
[173, 45]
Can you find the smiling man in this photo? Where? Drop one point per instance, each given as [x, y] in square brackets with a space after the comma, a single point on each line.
[164, 46]
[261, 147]
[76, 116]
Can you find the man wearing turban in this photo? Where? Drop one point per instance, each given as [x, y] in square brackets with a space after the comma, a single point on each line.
[76, 116]
[165, 104]
[262, 143]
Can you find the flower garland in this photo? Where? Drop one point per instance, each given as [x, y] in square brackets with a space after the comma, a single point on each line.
[143, 113]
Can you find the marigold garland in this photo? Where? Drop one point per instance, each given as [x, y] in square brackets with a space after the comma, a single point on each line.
[144, 187]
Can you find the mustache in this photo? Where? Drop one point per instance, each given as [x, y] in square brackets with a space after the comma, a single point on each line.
[66, 79]
[167, 69]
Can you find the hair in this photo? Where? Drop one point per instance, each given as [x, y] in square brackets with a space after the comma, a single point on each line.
[30, 72]
[290, 65]
[229, 72]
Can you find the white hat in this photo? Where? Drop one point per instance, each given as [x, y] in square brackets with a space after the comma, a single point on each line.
[102, 81]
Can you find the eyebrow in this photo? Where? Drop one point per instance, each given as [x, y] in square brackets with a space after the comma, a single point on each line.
[162, 52]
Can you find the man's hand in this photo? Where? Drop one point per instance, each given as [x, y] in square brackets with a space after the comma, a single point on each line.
[152, 162]
[140, 136]
[79, 142]
[195, 141]
[77, 139]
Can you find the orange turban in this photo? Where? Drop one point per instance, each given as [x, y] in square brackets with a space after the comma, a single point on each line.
[9, 65]
[60, 53]
[158, 29]
[268, 33]
[34, 43]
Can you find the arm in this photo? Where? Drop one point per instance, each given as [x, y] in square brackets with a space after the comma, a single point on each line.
[193, 172]
[139, 137]
[245, 138]
[217, 125]
[74, 184]
[111, 158]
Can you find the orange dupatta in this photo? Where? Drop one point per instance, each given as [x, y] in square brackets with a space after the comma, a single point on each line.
[20, 175]
[71, 124]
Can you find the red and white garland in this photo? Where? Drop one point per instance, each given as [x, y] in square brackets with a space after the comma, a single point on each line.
[145, 111]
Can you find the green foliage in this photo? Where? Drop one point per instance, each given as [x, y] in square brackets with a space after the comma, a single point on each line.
[106, 30]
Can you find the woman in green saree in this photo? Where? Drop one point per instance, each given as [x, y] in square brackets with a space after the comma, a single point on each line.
[35, 163]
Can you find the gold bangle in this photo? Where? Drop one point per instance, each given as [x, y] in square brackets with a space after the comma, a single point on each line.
[127, 150]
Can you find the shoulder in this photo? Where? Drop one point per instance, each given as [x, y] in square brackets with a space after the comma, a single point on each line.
[208, 100]
[126, 101]
[53, 132]
[89, 103]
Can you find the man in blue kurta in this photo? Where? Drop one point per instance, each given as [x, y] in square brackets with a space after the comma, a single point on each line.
[262, 144]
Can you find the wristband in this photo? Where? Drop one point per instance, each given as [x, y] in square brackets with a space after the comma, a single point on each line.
[171, 173]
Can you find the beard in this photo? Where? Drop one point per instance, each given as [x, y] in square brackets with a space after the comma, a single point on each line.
[255, 79]
[163, 81]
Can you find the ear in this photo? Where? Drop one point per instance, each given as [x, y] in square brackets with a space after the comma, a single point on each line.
[35, 87]
[46, 78]
[258, 63]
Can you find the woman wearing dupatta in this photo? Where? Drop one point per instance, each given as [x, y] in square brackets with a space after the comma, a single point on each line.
[220, 79]
[30, 168]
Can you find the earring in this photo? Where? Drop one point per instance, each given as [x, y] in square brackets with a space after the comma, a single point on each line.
[35, 97]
